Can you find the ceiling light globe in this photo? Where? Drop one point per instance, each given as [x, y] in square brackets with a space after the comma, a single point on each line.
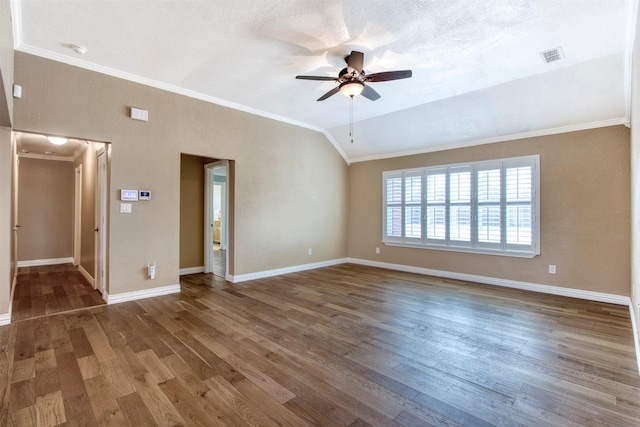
[351, 89]
[57, 140]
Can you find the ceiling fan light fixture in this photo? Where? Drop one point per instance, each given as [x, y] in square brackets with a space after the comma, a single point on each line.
[57, 140]
[352, 88]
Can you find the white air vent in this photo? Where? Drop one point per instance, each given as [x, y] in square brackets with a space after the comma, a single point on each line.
[552, 55]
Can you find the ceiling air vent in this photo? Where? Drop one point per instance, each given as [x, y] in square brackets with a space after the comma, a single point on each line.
[552, 55]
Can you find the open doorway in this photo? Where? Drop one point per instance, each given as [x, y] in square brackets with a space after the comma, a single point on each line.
[216, 217]
[56, 209]
[206, 189]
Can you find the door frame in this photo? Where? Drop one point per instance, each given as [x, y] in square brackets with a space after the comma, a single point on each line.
[208, 214]
[101, 221]
[77, 217]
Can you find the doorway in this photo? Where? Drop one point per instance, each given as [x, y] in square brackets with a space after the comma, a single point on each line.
[60, 194]
[216, 218]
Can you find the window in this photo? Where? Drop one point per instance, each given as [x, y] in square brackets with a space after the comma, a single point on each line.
[486, 207]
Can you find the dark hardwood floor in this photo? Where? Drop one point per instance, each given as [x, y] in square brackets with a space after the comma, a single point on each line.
[339, 346]
[51, 289]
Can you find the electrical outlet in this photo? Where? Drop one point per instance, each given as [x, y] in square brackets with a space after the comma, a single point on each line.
[552, 269]
[377, 250]
[310, 252]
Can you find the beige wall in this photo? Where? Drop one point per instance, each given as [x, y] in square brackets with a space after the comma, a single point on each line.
[585, 212]
[191, 211]
[45, 209]
[88, 216]
[6, 65]
[289, 182]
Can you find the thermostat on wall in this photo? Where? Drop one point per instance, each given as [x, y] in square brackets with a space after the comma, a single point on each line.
[129, 195]
[145, 195]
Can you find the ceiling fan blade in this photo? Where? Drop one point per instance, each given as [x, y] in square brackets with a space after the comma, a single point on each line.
[320, 78]
[330, 93]
[356, 61]
[388, 75]
[369, 93]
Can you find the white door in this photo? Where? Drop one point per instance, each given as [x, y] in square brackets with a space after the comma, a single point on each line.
[216, 219]
[101, 221]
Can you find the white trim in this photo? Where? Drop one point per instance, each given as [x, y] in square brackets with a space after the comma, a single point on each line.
[145, 293]
[44, 157]
[209, 176]
[22, 47]
[82, 149]
[77, 214]
[48, 261]
[632, 17]
[285, 270]
[16, 21]
[337, 146]
[87, 276]
[214, 100]
[5, 318]
[636, 338]
[515, 284]
[192, 270]
[492, 140]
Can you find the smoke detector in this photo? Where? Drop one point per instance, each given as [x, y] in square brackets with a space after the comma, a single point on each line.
[80, 50]
[553, 55]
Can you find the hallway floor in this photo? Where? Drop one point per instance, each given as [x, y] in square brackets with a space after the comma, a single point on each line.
[51, 289]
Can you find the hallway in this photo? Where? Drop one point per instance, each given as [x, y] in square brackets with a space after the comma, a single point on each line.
[51, 289]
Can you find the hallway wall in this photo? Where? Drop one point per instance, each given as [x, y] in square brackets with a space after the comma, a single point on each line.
[192, 211]
[45, 209]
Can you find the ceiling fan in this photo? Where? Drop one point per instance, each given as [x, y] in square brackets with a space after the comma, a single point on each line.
[352, 79]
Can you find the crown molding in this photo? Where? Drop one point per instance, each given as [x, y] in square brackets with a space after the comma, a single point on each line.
[632, 22]
[502, 138]
[44, 157]
[16, 22]
[26, 48]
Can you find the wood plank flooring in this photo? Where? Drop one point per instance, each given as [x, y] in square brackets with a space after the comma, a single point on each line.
[339, 346]
[51, 289]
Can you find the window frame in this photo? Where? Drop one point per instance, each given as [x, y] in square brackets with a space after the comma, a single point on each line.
[474, 244]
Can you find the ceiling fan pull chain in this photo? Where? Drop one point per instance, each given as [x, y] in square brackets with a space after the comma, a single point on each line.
[351, 122]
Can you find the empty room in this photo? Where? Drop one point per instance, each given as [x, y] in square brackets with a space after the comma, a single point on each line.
[322, 213]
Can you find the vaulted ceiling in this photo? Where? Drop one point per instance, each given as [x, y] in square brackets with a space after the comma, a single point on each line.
[478, 73]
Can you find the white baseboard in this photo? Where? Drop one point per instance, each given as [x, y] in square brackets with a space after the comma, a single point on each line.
[192, 270]
[285, 270]
[5, 318]
[49, 261]
[146, 293]
[634, 328]
[87, 276]
[527, 286]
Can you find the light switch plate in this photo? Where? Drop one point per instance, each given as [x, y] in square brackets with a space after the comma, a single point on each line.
[125, 207]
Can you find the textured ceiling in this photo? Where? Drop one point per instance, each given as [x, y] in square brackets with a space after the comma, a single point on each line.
[477, 71]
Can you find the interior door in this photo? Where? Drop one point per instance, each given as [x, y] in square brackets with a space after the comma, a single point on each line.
[101, 220]
[216, 218]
